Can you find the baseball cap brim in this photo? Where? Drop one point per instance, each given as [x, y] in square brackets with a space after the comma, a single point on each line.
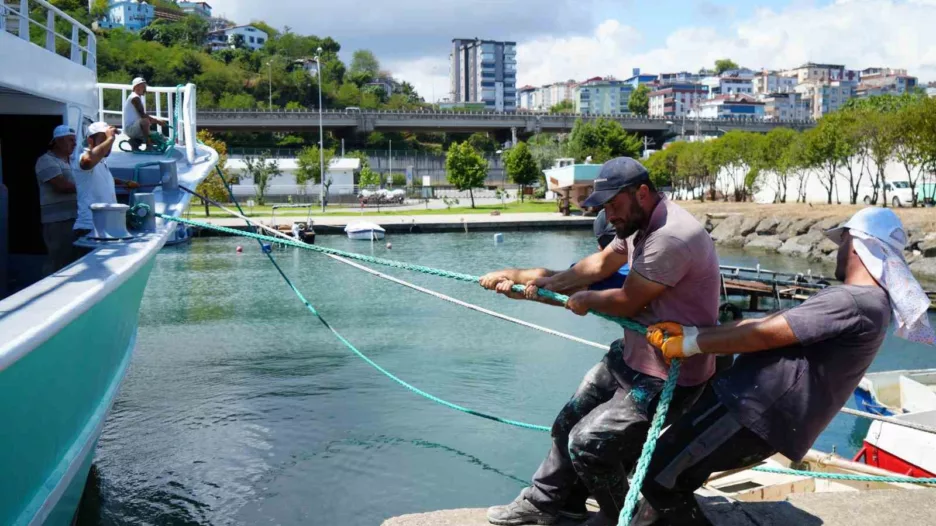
[600, 197]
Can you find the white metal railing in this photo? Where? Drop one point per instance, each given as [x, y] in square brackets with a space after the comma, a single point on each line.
[16, 18]
[179, 109]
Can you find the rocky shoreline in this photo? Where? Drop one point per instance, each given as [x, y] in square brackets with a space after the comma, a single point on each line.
[803, 238]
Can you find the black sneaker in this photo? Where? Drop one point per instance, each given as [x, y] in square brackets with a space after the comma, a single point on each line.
[520, 511]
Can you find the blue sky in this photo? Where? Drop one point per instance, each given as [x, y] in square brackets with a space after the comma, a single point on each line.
[576, 39]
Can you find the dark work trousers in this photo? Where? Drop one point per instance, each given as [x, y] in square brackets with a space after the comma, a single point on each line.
[704, 440]
[598, 436]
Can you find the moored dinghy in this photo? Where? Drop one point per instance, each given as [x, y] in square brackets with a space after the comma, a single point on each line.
[364, 230]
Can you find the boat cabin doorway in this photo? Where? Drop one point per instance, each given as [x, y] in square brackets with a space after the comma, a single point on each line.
[23, 138]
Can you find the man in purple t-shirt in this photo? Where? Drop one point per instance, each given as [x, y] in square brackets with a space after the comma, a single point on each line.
[597, 436]
[795, 369]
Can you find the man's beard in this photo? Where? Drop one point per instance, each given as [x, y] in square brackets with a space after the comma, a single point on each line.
[625, 229]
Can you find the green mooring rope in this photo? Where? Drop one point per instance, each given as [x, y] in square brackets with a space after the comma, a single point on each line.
[842, 476]
[659, 417]
[561, 298]
[351, 346]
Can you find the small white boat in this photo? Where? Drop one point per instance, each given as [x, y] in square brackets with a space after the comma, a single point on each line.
[908, 395]
[364, 230]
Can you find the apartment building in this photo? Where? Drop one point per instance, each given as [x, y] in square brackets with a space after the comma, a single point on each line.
[824, 97]
[732, 106]
[602, 96]
[676, 101]
[786, 106]
[484, 71]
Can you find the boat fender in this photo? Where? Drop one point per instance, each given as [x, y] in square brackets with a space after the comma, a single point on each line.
[498, 238]
[389, 246]
[267, 248]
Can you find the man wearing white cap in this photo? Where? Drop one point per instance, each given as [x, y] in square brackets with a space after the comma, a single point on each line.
[795, 368]
[57, 201]
[136, 122]
[93, 178]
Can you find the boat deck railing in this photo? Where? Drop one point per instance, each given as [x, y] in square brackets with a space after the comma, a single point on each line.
[175, 104]
[45, 25]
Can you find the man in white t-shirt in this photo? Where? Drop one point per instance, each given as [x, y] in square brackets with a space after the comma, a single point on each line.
[93, 178]
[136, 122]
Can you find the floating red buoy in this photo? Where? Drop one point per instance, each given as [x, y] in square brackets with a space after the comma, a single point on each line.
[240, 249]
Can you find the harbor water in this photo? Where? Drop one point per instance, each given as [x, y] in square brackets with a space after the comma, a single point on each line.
[240, 407]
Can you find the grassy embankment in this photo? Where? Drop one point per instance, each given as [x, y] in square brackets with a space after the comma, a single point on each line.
[532, 206]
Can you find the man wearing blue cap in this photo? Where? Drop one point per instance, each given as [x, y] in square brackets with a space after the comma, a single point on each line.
[795, 370]
[597, 436]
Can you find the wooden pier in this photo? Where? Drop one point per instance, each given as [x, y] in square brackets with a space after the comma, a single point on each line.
[766, 290]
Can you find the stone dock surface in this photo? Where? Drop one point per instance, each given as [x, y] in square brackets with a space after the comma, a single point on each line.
[859, 508]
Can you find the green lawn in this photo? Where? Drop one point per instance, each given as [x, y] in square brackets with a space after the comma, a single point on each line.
[529, 206]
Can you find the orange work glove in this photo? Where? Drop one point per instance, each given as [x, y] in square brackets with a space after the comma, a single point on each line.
[674, 340]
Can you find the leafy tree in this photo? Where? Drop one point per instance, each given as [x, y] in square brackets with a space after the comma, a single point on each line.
[658, 167]
[775, 157]
[262, 170]
[566, 106]
[194, 30]
[266, 28]
[308, 166]
[465, 168]
[482, 142]
[364, 63]
[545, 148]
[368, 177]
[522, 168]
[398, 179]
[241, 101]
[99, 8]
[212, 186]
[238, 41]
[639, 102]
[880, 131]
[825, 150]
[724, 64]
[602, 139]
[348, 95]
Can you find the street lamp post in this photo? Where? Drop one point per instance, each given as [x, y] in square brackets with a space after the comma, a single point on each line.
[318, 71]
[270, 67]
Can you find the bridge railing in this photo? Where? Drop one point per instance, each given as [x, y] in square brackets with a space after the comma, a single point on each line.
[23, 17]
[676, 121]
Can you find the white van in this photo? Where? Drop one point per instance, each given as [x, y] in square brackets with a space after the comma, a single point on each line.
[898, 194]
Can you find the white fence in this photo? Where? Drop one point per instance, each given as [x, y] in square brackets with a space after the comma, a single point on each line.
[180, 99]
[17, 17]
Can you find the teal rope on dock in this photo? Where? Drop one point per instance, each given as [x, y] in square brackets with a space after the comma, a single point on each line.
[361, 355]
[656, 426]
[548, 294]
[842, 476]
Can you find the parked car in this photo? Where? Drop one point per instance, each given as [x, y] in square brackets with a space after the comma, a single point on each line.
[898, 194]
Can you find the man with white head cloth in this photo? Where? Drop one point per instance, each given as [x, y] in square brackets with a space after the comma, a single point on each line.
[795, 370]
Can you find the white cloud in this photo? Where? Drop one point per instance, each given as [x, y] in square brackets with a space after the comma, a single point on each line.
[429, 75]
[858, 33]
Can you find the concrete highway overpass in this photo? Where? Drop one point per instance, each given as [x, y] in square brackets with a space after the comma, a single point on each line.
[447, 121]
